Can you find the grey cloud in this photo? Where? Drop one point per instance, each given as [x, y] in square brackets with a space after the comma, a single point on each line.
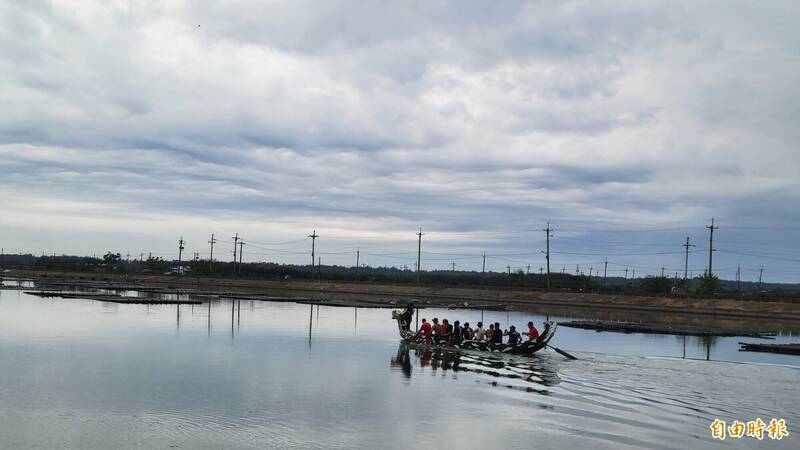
[467, 117]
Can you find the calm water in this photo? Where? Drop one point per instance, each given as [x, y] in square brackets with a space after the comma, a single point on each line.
[87, 374]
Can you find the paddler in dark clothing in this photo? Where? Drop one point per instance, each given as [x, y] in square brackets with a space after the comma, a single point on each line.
[458, 333]
[497, 336]
[513, 336]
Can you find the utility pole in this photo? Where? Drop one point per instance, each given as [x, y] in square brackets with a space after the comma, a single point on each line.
[626, 273]
[686, 258]
[760, 274]
[419, 251]
[454, 266]
[528, 271]
[711, 244]
[547, 251]
[313, 237]
[509, 275]
[241, 250]
[483, 268]
[739, 277]
[235, 242]
[662, 271]
[358, 255]
[633, 277]
[211, 258]
[319, 269]
[605, 272]
[577, 269]
[180, 253]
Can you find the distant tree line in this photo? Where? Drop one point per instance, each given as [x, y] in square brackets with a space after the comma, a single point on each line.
[114, 263]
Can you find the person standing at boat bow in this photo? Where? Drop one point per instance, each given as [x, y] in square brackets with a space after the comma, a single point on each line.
[407, 315]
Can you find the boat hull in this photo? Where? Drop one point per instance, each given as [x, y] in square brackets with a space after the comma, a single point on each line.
[524, 348]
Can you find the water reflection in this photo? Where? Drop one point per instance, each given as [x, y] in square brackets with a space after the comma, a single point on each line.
[537, 372]
[402, 360]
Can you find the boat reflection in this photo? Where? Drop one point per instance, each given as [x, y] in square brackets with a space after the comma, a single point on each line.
[537, 372]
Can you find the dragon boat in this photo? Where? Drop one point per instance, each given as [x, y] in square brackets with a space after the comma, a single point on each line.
[416, 340]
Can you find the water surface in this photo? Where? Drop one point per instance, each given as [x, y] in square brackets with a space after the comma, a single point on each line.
[88, 374]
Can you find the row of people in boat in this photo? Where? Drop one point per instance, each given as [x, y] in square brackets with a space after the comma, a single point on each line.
[455, 333]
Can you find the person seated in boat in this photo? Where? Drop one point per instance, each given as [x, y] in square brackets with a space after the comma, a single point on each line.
[497, 336]
[513, 336]
[436, 330]
[489, 333]
[468, 333]
[425, 329]
[458, 333]
[447, 331]
[532, 332]
[480, 333]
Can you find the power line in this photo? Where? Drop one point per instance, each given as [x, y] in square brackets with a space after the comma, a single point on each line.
[618, 254]
[652, 244]
[759, 256]
[277, 243]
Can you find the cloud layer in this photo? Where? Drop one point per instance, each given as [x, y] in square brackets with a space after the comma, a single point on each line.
[127, 124]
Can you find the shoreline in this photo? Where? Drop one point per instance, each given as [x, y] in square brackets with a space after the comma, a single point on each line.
[445, 296]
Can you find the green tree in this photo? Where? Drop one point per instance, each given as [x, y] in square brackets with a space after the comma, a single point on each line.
[657, 285]
[708, 284]
[112, 258]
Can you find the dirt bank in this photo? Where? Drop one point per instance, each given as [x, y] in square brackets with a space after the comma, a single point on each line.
[445, 296]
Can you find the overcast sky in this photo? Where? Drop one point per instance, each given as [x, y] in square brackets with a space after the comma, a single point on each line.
[627, 125]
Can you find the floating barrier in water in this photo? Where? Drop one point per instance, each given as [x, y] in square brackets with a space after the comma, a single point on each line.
[113, 298]
[659, 328]
[786, 349]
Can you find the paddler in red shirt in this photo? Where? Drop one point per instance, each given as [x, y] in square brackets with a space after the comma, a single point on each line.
[425, 328]
[532, 332]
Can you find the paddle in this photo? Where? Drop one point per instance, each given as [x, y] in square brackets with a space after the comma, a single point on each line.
[561, 352]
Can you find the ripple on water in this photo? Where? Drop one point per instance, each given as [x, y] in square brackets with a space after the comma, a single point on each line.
[638, 401]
